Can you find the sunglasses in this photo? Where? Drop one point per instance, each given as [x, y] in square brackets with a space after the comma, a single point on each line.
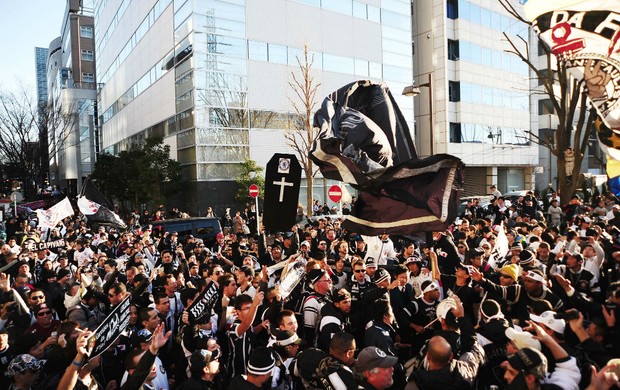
[111, 295]
[505, 276]
[35, 298]
[44, 313]
[357, 271]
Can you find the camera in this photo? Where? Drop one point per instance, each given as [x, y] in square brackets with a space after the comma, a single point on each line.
[567, 315]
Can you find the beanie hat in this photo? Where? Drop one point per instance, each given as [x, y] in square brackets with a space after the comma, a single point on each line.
[511, 270]
[63, 272]
[526, 257]
[381, 275]
[315, 274]
[261, 362]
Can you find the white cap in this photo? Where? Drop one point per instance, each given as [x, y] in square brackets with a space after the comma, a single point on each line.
[548, 319]
[522, 339]
[444, 307]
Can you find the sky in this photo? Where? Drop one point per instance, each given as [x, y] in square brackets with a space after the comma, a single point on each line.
[24, 25]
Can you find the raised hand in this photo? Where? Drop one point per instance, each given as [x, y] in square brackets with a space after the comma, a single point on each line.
[475, 274]
[5, 282]
[563, 282]
[610, 317]
[159, 339]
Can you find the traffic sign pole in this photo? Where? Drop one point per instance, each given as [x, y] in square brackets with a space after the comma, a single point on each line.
[340, 201]
[335, 195]
[257, 216]
[254, 191]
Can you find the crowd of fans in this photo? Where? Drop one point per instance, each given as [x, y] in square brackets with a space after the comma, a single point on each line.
[453, 311]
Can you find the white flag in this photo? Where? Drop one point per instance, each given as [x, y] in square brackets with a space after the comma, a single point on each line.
[501, 248]
[48, 219]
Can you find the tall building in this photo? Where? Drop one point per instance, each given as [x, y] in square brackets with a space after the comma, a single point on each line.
[40, 61]
[72, 89]
[212, 76]
[481, 106]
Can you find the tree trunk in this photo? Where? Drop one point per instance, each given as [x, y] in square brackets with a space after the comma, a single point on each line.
[310, 190]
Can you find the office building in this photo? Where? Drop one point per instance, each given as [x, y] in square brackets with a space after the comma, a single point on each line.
[212, 76]
[71, 86]
[40, 63]
[481, 108]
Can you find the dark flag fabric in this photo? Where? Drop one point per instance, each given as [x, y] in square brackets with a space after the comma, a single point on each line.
[364, 141]
[92, 193]
[96, 207]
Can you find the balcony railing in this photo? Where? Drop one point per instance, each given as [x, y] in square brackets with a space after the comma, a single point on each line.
[70, 84]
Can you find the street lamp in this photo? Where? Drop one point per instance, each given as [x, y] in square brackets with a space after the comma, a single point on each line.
[414, 90]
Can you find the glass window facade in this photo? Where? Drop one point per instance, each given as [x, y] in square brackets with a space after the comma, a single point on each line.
[137, 36]
[210, 60]
[474, 13]
[480, 133]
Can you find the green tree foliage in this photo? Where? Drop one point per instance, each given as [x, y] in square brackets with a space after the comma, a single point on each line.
[251, 173]
[142, 174]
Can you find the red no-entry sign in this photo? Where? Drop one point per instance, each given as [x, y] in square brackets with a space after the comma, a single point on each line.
[334, 193]
[253, 190]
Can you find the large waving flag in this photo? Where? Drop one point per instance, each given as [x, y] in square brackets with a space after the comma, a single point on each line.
[96, 207]
[365, 141]
[48, 219]
[585, 36]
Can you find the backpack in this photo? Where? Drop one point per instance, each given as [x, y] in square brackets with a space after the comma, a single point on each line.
[315, 368]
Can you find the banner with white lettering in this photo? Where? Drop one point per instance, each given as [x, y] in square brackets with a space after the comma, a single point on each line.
[585, 37]
[34, 246]
[203, 304]
[110, 329]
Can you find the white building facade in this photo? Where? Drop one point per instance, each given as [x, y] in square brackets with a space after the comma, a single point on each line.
[212, 76]
[481, 108]
[71, 85]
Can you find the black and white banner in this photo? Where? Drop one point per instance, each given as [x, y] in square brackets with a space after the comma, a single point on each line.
[585, 36]
[34, 246]
[203, 304]
[364, 141]
[110, 329]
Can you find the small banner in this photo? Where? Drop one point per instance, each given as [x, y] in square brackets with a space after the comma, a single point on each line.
[292, 279]
[203, 304]
[110, 329]
[34, 246]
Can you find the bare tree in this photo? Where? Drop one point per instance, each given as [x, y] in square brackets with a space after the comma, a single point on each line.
[302, 134]
[21, 124]
[568, 101]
